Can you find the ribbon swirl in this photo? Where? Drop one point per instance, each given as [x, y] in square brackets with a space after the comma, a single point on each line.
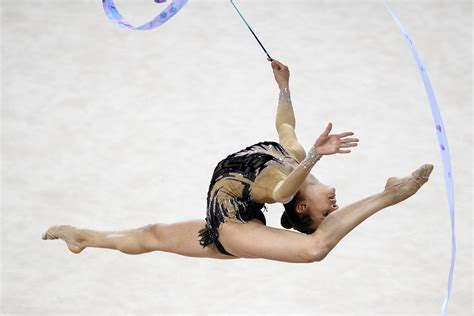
[443, 145]
[171, 10]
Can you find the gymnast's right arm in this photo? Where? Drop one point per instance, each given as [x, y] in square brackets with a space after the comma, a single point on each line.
[326, 144]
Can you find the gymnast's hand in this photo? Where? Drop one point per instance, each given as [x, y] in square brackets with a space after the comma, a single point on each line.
[281, 73]
[331, 144]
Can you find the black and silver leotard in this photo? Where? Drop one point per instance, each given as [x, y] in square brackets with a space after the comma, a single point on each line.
[230, 195]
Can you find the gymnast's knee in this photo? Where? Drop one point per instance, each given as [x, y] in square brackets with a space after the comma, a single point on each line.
[141, 240]
[153, 236]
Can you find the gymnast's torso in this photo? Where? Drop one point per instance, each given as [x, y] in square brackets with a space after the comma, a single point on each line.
[242, 183]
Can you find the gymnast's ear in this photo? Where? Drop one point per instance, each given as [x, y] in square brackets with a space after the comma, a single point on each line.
[301, 206]
[285, 222]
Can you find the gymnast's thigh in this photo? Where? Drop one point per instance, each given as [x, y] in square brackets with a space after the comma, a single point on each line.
[183, 238]
[255, 240]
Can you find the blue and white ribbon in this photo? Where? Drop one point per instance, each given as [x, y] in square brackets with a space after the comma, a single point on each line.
[170, 11]
[443, 145]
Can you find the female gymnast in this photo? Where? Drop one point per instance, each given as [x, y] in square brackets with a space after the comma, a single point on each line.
[267, 172]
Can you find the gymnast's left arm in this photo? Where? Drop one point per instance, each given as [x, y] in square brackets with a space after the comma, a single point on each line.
[285, 122]
[326, 144]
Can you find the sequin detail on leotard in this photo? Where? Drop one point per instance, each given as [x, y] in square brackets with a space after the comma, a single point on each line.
[311, 159]
[229, 195]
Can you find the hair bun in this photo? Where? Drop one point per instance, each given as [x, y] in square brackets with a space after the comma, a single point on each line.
[285, 222]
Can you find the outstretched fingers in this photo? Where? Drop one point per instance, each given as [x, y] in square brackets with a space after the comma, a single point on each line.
[328, 129]
[341, 135]
[331, 144]
[347, 142]
[345, 145]
[342, 151]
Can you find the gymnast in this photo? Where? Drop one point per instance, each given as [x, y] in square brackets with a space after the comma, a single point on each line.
[242, 183]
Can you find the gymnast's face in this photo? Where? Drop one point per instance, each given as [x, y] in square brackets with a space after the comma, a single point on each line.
[320, 201]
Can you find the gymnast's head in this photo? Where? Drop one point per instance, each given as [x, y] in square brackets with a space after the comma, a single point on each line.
[309, 207]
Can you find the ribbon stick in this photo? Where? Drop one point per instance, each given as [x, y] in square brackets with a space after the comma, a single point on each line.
[253, 33]
[443, 144]
[171, 10]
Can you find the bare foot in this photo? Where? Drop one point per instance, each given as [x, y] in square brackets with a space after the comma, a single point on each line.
[405, 187]
[66, 233]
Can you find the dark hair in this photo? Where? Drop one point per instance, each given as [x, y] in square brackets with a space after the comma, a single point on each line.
[292, 219]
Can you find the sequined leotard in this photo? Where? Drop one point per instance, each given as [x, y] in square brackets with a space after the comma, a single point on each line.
[233, 189]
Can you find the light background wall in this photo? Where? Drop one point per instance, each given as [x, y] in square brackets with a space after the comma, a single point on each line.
[110, 129]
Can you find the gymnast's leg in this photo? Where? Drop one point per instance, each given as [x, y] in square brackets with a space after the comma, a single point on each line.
[339, 223]
[181, 238]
